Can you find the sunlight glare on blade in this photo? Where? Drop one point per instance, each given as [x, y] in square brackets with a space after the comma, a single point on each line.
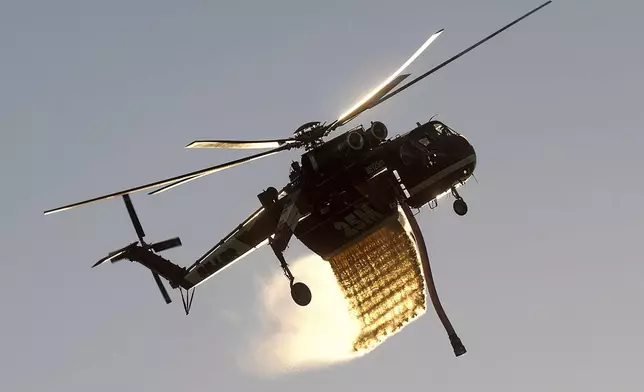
[225, 144]
[214, 170]
[393, 76]
[237, 144]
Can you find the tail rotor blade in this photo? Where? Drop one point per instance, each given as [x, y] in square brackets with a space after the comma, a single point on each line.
[164, 292]
[167, 244]
[135, 219]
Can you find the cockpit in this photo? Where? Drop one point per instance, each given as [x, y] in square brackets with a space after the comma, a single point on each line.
[433, 157]
[434, 130]
[426, 142]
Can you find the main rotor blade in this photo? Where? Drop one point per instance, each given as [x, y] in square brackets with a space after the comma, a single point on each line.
[239, 144]
[409, 84]
[174, 181]
[358, 107]
[205, 172]
[351, 115]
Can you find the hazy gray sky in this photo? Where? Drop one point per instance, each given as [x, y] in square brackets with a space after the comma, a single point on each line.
[542, 278]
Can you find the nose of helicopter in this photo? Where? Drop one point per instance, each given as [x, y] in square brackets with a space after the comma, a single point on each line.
[454, 161]
[467, 157]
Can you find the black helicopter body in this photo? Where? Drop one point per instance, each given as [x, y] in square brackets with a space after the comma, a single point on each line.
[348, 186]
[340, 190]
[361, 165]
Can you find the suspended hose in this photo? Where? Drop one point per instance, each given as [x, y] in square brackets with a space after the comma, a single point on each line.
[457, 345]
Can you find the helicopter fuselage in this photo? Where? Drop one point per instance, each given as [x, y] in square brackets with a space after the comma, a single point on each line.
[349, 186]
[354, 182]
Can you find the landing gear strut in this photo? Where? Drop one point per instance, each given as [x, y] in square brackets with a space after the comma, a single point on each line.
[289, 218]
[460, 207]
[300, 292]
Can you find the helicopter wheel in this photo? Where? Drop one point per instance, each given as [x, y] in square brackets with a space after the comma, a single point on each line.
[301, 294]
[460, 207]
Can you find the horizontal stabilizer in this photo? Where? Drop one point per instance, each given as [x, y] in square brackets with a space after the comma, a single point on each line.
[116, 255]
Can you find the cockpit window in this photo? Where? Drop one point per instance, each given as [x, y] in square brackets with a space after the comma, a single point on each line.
[440, 129]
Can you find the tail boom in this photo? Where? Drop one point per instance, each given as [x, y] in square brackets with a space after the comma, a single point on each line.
[174, 274]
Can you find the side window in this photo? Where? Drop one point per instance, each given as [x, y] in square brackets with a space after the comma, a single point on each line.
[407, 155]
[413, 151]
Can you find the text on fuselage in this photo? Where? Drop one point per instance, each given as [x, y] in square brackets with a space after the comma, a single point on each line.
[362, 218]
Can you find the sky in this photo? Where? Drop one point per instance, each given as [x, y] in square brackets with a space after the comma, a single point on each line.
[541, 279]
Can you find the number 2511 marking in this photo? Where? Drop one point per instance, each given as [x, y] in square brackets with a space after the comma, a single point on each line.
[359, 220]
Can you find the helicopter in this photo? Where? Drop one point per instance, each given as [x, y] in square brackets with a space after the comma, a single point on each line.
[340, 190]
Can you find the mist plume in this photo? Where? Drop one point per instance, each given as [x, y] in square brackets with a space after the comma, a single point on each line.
[362, 296]
[293, 338]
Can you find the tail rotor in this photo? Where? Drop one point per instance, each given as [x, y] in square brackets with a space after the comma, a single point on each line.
[160, 246]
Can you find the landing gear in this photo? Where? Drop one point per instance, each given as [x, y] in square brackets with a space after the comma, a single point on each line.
[460, 207]
[289, 217]
[300, 292]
